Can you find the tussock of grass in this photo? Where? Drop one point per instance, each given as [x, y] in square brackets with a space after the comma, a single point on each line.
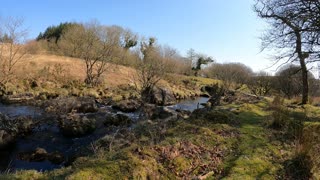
[311, 146]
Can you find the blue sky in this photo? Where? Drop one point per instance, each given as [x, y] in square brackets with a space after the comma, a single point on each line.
[228, 31]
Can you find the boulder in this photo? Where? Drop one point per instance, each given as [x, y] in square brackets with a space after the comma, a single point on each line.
[147, 110]
[6, 138]
[8, 131]
[67, 105]
[160, 96]
[127, 105]
[76, 125]
[56, 157]
[39, 154]
[163, 113]
[151, 111]
[215, 92]
[212, 90]
[117, 120]
[24, 124]
[87, 105]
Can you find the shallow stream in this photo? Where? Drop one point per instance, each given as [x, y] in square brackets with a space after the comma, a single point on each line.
[48, 137]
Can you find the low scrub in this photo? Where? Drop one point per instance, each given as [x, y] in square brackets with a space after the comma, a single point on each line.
[289, 123]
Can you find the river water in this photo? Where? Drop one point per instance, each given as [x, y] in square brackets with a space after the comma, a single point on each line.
[47, 136]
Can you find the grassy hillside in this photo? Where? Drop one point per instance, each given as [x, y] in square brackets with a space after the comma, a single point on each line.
[61, 75]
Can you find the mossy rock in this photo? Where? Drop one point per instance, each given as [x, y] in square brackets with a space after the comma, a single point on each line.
[75, 125]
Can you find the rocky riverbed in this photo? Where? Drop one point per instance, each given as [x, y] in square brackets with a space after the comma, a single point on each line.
[53, 133]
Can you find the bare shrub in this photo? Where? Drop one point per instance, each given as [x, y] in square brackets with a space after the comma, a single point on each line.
[260, 84]
[150, 70]
[12, 51]
[233, 75]
[93, 43]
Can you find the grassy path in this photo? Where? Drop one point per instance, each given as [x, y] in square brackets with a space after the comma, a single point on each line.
[258, 157]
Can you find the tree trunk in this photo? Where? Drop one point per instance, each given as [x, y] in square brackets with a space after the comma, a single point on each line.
[304, 71]
[305, 88]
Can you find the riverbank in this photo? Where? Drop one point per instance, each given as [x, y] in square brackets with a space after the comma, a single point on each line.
[229, 141]
[48, 134]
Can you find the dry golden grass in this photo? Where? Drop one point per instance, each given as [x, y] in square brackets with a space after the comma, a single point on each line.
[73, 68]
[52, 72]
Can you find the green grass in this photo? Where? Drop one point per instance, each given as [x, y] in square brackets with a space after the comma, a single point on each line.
[257, 156]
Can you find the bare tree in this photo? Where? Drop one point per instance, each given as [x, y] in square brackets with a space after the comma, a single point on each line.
[291, 33]
[260, 84]
[150, 70]
[93, 43]
[12, 51]
[192, 55]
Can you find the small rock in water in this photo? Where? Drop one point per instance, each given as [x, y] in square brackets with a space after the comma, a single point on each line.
[40, 155]
[162, 113]
[160, 96]
[8, 131]
[56, 158]
[68, 105]
[24, 124]
[184, 114]
[76, 125]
